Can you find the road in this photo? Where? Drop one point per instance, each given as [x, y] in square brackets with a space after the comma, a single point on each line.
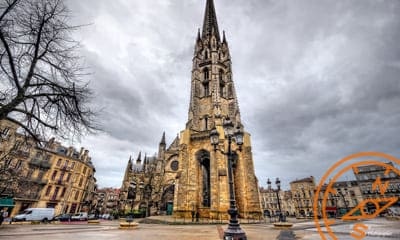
[108, 230]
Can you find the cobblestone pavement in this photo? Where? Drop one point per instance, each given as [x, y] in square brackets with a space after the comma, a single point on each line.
[380, 229]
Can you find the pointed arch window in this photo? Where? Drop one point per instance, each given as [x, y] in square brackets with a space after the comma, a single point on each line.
[206, 74]
[206, 84]
[230, 91]
[221, 83]
[205, 122]
[205, 54]
[203, 157]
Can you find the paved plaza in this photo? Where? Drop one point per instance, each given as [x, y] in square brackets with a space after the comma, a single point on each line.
[379, 229]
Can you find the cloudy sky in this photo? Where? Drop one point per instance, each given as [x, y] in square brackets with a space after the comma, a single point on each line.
[316, 80]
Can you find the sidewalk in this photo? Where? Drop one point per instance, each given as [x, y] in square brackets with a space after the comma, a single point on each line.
[174, 220]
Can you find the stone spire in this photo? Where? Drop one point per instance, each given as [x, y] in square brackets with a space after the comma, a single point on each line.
[163, 139]
[145, 163]
[128, 171]
[210, 24]
[213, 96]
[139, 159]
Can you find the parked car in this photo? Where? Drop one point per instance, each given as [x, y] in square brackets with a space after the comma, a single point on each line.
[107, 216]
[63, 217]
[35, 214]
[92, 217]
[82, 216]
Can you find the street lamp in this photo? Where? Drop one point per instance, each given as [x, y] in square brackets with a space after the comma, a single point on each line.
[233, 232]
[278, 185]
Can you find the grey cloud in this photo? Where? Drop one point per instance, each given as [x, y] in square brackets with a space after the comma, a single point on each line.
[316, 80]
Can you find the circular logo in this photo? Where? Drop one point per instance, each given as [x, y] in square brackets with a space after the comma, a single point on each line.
[379, 183]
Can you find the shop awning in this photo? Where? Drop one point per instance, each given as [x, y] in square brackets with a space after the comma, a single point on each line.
[6, 202]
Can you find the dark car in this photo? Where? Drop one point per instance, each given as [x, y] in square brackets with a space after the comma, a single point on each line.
[63, 217]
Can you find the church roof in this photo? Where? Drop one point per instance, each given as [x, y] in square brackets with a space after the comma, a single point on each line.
[175, 143]
[210, 24]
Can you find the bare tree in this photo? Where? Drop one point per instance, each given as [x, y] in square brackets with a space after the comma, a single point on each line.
[41, 74]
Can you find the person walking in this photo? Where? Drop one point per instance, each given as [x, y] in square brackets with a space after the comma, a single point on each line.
[1, 217]
[193, 214]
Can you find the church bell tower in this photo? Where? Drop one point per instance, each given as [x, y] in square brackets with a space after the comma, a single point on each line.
[202, 182]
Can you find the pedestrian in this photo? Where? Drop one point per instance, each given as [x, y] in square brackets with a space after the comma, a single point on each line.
[1, 217]
[193, 213]
[197, 216]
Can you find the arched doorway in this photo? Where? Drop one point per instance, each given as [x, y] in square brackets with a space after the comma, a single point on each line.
[167, 200]
[203, 158]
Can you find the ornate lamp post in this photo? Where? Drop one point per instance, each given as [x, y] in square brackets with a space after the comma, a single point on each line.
[233, 232]
[278, 185]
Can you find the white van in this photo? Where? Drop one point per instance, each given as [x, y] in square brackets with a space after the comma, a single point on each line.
[36, 214]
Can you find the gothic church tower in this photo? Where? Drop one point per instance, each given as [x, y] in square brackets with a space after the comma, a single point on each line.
[202, 182]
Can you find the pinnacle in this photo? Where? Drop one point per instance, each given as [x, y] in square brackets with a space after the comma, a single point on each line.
[163, 139]
[210, 24]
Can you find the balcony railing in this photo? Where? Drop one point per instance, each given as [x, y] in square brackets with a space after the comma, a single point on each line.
[21, 153]
[40, 163]
[30, 196]
[40, 181]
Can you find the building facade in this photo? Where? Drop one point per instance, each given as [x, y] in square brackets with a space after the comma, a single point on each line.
[51, 175]
[149, 183]
[107, 201]
[191, 175]
[343, 197]
[303, 194]
[270, 205]
[378, 182]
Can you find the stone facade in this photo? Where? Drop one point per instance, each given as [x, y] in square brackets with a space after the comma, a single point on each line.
[107, 201]
[269, 202]
[191, 169]
[368, 175]
[345, 195]
[149, 183]
[51, 175]
[303, 191]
